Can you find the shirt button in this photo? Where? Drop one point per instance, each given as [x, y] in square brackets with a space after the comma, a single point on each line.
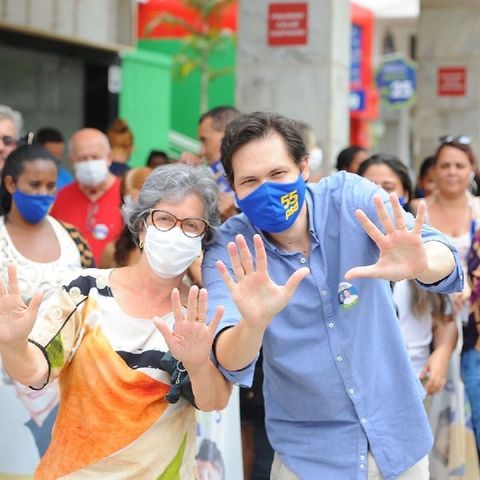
[351, 391]
[363, 420]
[331, 325]
[323, 292]
[302, 260]
[362, 457]
[339, 358]
[362, 466]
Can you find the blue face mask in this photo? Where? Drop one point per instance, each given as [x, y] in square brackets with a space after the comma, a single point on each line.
[274, 207]
[33, 208]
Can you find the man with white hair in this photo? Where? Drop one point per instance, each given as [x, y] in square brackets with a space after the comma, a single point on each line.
[11, 125]
[92, 202]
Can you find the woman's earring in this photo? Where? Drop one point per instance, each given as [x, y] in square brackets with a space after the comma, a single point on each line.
[140, 244]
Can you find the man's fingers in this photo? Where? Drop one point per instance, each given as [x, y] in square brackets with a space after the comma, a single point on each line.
[235, 261]
[294, 281]
[223, 271]
[260, 254]
[383, 214]
[370, 228]
[368, 271]
[398, 212]
[245, 254]
[420, 217]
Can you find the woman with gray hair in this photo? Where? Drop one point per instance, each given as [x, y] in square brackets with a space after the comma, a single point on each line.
[129, 384]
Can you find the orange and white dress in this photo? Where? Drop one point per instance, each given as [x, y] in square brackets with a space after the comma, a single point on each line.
[114, 421]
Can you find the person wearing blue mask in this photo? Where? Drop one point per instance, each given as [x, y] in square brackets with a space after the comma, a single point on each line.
[341, 398]
[391, 174]
[47, 253]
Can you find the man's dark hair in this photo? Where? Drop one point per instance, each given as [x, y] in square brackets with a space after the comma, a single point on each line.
[398, 167]
[221, 117]
[256, 126]
[346, 156]
[48, 134]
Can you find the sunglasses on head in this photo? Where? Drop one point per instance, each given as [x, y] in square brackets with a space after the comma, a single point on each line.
[461, 139]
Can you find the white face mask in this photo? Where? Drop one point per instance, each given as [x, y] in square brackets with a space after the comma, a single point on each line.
[315, 159]
[169, 254]
[91, 172]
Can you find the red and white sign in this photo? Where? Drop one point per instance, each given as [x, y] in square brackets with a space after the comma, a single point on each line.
[287, 24]
[452, 81]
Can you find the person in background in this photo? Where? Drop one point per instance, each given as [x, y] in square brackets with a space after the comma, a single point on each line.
[211, 128]
[11, 126]
[132, 344]
[315, 154]
[124, 250]
[157, 158]
[121, 141]
[426, 178]
[334, 408]
[52, 140]
[91, 203]
[350, 158]
[47, 253]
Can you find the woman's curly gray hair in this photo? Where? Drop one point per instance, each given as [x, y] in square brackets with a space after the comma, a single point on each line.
[172, 183]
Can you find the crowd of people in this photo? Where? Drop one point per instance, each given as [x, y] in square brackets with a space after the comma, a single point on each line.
[346, 307]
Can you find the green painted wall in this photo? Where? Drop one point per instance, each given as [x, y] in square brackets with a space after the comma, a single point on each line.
[185, 100]
[145, 101]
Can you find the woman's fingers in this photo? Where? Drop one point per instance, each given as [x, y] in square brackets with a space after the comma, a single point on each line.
[202, 305]
[192, 304]
[12, 279]
[176, 306]
[212, 326]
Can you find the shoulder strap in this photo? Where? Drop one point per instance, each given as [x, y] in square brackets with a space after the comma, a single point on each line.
[86, 255]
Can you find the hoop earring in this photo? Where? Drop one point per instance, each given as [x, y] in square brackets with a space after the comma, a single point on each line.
[140, 244]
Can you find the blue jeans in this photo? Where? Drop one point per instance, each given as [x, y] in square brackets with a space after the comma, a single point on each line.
[471, 378]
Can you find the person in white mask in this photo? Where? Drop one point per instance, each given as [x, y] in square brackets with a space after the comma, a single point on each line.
[130, 346]
[92, 202]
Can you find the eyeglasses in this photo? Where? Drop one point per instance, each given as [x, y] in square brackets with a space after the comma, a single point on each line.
[191, 227]
[461, 139]
[8, 140]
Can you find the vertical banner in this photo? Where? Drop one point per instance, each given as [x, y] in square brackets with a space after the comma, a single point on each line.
[219, 446]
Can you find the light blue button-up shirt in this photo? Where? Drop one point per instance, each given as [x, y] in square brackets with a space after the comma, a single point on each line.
[338, 380]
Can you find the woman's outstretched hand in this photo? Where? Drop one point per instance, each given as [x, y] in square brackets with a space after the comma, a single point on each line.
[16, 318]
[190, 341]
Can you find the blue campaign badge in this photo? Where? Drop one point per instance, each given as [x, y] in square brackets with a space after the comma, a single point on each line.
[100, 231]
[347, 295]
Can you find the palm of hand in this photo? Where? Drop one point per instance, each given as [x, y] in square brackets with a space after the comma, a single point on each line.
[402, 255]
[258, 298]
[191, 342]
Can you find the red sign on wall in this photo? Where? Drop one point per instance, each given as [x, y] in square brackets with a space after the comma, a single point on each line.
[287, 24]
[452, 81]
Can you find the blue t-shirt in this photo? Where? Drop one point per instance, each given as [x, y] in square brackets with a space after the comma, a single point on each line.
[338, 380]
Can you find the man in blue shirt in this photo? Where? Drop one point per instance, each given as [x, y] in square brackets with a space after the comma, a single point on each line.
[341, 399]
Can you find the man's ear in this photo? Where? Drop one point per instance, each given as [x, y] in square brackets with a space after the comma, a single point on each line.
[10, 185]
[304, 168]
